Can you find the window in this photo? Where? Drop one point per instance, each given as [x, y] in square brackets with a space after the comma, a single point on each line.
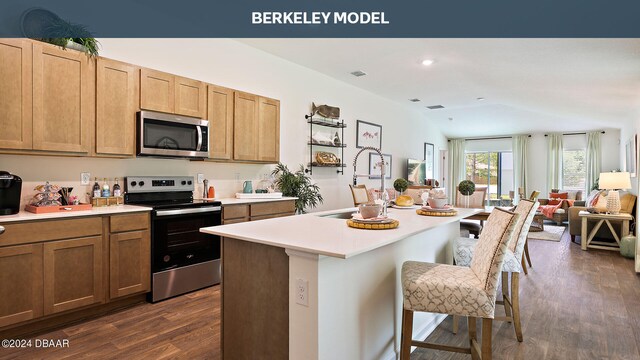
[493, 170]
[573, 169]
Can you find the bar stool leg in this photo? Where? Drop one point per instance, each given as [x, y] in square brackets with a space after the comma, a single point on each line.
[526, 252]
[407, 333]
[456, 318]
[505, 294]
[473, 337]
[486, 338]
[524, 266]
[515, 302]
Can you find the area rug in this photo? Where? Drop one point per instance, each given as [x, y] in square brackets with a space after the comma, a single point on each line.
[550, 233]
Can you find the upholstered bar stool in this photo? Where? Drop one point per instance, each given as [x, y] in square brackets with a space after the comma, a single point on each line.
[464, 291]
[465, 249]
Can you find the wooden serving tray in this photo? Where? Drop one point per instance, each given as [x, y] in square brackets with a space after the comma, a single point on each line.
[52, 209]
[392, 225]
[436, 213]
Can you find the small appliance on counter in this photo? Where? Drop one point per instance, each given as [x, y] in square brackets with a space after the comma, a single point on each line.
[10, 191]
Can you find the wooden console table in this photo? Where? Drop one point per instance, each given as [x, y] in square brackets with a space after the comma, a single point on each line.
[587, 238]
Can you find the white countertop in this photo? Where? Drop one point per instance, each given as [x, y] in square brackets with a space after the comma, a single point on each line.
[96, 211]
[234, 201]
[331, 236]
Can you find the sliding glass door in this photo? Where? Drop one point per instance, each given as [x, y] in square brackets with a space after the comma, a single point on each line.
[493, 170]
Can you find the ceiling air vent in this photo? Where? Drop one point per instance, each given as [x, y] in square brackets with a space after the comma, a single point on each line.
[358, 73]
[435, 107]
[414, 100]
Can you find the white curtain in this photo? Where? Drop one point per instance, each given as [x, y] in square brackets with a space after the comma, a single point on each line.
[520, 156]
[594, 159]
[456, 167]
[554, 161]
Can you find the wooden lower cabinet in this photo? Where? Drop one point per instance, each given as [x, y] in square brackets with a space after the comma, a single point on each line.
[72, 274]
[129, 263]
[20, 283]
[232, 214]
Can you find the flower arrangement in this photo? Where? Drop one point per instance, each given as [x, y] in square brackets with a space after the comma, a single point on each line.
[437, 194]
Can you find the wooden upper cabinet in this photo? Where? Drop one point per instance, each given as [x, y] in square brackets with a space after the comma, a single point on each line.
[21, 283]
[157, 91]
[63, 99]
[15, 93]
[117, 101]
[245, 126]
[73, 274]
[191, 97]
[269, 130]
[220, 116]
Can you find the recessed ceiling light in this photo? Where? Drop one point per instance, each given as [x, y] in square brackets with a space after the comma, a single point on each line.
[414, 100]
[480, 99]
[427, 62]
[358, 73]
[435, 107]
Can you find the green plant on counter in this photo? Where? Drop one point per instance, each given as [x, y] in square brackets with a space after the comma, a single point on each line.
[299, 185]
[401, 185]
[63, 33]
[466, 187]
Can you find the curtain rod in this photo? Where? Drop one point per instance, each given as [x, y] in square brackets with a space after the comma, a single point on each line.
[578, 133]
[489, 138]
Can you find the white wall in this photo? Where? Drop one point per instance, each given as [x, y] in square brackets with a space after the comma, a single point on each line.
[236, 65]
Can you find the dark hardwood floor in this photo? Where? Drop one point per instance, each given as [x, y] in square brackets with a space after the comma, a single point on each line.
[575, 305]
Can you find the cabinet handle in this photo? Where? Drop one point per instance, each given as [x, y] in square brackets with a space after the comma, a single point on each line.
[1, 229]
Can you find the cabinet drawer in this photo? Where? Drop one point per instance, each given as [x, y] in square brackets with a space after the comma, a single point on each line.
[263, 217]
[129, 222]
[234, 221]
[235, 211]
[269, 208]
[35, 231]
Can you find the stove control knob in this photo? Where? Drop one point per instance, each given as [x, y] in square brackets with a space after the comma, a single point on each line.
[133, 183]
[141, 183]
[184, 182]
[189, 182]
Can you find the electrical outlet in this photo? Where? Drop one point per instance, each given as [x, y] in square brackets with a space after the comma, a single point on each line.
[302, 292]
[85, 178]
[200, 178]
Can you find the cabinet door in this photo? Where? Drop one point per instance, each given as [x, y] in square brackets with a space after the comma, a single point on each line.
[129, 263]
[20, 283]
[269, 130]
[116, 106]
[63, 99]
[220, 116]
[245, 126]
[72, 274]
[191, 97]
[15, 93]
[157, 91]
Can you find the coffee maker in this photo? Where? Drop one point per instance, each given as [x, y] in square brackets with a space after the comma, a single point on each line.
[10, 190]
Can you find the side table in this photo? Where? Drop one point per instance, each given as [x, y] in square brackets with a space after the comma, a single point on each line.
[586, 237]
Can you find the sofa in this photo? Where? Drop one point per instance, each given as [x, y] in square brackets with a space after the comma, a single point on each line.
[561, 214]
[627, 202]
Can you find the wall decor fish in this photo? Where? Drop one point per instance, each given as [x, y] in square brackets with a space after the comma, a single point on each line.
[326, 111]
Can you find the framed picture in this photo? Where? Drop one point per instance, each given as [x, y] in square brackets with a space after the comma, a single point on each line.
[631, 151]
[429, 160]
[374, 165]
[368, 134]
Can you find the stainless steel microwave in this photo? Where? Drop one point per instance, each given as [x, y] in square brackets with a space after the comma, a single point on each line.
[168, 135]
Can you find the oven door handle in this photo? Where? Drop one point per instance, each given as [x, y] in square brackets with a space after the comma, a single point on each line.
[199, 128]
[208, 209]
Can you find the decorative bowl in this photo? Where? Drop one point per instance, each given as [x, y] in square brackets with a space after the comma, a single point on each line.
[369, 211]
[437, 203]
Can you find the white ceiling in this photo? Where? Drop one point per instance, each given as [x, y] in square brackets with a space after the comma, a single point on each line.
[530, 85]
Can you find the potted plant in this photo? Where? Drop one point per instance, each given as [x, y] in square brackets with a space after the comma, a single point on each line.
[401, 185]
[68, 35]
[298, 185]
[466, 188]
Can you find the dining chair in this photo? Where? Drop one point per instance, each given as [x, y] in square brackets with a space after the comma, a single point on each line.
[360, 194]
[465, 249]
[463, 291]
[475, 200]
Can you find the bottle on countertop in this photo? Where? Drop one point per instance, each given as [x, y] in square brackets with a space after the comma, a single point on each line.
[117, 191]
[205, 184]
[97, 192]
[106, 192]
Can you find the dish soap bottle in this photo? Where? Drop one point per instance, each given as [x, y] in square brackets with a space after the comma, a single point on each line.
[116, 188]
[105, 189]
[96, 189]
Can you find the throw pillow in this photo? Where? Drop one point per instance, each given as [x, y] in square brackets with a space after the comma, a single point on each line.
[592, 198]
[562, 195]
[601, 204]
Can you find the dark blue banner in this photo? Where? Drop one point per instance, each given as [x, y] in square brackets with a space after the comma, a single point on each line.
[322, 18]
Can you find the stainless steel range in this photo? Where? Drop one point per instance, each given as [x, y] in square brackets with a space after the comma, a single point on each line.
[182, 258]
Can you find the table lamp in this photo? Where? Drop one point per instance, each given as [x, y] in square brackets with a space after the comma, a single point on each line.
[614, 181]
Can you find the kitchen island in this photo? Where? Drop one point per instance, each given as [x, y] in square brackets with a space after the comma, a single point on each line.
[309, 287]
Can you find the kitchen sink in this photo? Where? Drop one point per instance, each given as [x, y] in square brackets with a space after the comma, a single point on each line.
[340, 215]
